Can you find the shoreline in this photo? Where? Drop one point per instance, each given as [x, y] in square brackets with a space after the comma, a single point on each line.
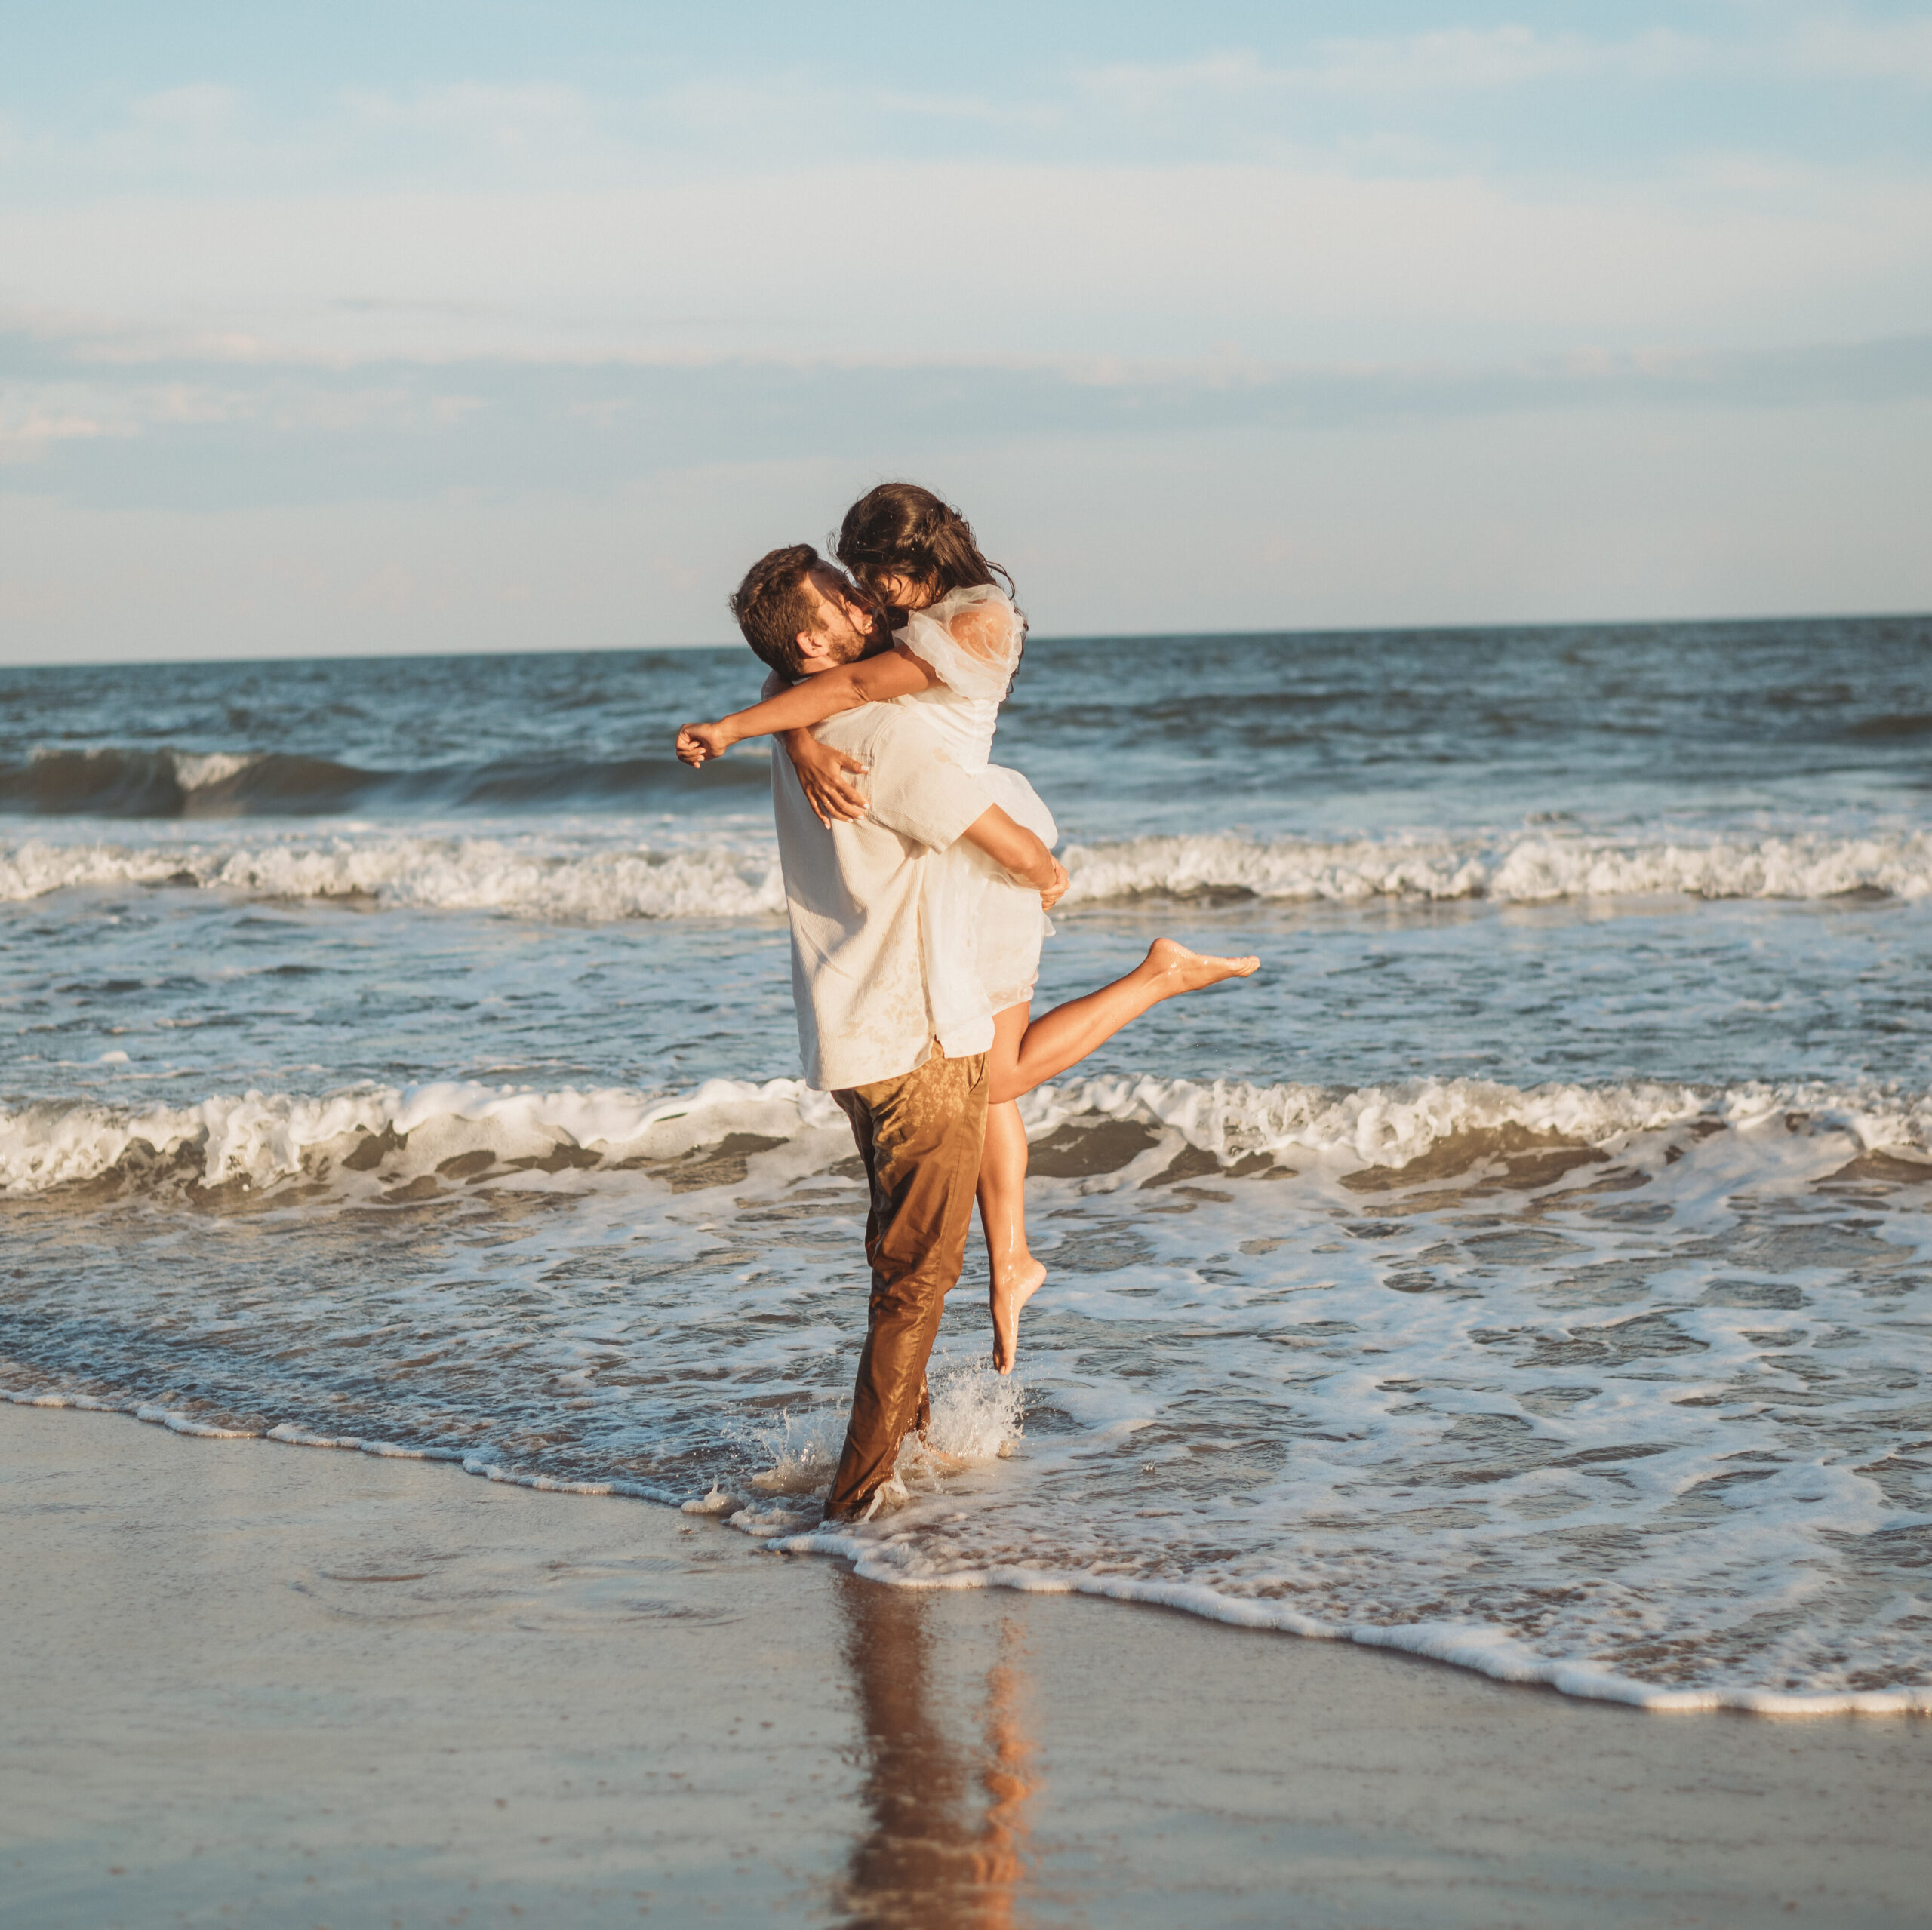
[1473, 1650]
[312, 1689]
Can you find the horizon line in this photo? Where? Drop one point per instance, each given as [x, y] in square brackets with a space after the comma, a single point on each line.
[1055, 637]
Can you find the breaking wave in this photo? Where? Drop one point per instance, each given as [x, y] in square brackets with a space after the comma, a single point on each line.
[527, 877]
[1522, 869]
[582, 878]
[119, 781]
[426, 1139]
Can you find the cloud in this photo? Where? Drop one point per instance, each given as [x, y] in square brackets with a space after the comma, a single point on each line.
[468, 104]
[1290, 262]
[1847, 48]
[1452, 59]
[536, 117]
[531, 136]
[219, 438]
[1469, 58]
[1337, 97]
[27, 434]
[194, 132]
[187, 113]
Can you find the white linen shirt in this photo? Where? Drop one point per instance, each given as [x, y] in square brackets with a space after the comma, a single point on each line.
[860, 974]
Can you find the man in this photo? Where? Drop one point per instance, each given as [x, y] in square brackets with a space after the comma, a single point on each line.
[908, 1070]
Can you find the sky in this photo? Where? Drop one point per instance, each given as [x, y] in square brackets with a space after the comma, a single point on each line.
[423, 326]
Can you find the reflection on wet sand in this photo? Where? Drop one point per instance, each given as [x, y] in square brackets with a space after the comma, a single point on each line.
[948, 1822]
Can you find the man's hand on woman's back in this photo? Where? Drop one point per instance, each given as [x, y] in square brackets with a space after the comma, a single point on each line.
[827, 778]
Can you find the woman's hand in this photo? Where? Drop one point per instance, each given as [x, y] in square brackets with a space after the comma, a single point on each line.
[827, 776]
[1055, 891]
[698, 742]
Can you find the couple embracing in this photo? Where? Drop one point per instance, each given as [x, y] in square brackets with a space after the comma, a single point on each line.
[918, 877]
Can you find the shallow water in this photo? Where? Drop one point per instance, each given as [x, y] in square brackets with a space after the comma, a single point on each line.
[1530, 1267]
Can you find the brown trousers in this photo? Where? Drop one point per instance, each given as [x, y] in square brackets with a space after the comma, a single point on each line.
[921, 1136]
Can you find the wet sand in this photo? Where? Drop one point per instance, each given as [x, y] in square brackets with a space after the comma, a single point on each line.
[246, 1683]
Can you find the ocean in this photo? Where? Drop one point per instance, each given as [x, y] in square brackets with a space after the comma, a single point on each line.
[1530, 1267]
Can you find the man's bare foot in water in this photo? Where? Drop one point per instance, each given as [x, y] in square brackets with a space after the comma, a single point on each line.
[1011, 1292]
[1174, 968]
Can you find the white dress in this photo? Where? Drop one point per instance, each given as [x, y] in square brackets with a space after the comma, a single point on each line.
[982, 931]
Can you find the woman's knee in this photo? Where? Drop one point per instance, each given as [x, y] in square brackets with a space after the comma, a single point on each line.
[1002, 1089]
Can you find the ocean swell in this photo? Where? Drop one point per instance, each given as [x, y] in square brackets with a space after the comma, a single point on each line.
[524, 877]
[115, 781]
[587, 877]
[456, 1132]
[1526, 869]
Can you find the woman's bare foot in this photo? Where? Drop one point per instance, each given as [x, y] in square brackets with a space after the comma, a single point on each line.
[1011, 1292]
[1174, 968]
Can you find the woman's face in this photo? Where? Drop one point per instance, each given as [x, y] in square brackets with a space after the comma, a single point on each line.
[900, 590]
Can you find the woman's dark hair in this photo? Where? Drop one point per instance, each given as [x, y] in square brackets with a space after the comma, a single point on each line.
[899, 528]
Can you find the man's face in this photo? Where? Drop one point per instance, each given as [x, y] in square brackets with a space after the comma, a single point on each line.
[844, 625]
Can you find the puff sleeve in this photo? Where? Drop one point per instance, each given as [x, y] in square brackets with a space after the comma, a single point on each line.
[970, 641]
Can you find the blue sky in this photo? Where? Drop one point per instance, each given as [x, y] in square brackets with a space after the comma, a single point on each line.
[429, 326]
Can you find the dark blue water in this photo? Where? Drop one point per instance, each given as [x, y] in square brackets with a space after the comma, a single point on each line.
[1357, 730]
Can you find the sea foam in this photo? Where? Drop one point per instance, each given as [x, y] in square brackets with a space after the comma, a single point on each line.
[597, 876]
[543, 878]
[379, 1135]
[1518, 869]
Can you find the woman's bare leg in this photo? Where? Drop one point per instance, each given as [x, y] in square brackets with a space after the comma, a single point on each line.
[1066, 1035]
[1016, 1275]
[1026, 1051]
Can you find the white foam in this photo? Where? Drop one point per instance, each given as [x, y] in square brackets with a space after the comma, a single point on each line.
[1286, 868]
[292, 1436]
[173, 1419]
[594, 877]
[799, 1450]
[259, 1138]
[1484, 1651]
[178, 1423]
[532, 876]
[976, 1419]
[1389, 1126]
[1516, 869]
[486, 1469]
[976, 1413]
[198, 771]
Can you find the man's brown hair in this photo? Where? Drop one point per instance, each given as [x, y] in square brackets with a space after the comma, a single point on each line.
[771, 606]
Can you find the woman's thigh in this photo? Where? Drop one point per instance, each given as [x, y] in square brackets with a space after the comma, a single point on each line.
[1009, 1029]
